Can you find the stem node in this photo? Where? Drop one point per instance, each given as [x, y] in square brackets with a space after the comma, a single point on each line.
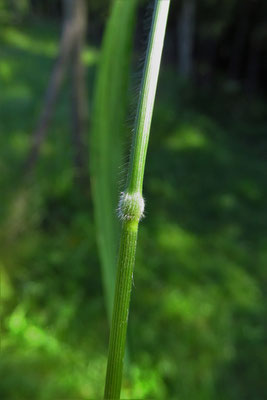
[131, 206]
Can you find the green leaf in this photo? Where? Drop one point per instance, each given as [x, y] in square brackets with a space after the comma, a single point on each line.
[108, 130]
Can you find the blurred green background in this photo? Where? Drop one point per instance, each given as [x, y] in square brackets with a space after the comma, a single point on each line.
[197, 326]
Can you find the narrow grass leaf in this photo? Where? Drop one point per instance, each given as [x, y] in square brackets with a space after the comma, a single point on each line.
[108, 126]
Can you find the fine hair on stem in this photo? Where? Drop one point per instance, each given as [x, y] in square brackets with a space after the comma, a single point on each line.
[131, 204]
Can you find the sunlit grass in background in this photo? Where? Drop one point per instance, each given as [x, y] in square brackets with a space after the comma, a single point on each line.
[196, 326]
[45, 45]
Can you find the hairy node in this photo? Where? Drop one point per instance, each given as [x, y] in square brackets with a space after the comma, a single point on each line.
[131, 206]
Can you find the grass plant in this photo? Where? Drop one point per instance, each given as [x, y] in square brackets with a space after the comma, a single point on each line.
[131, 205]
[201, 257]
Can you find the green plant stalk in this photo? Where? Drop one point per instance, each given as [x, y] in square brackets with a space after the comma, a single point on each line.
[131, 206]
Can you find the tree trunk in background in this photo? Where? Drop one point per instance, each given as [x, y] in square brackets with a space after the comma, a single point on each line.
[65, 47]
[240, 39]
[185, 32]
[79, 101]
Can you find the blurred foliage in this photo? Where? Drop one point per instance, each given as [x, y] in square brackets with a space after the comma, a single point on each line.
[198, 313]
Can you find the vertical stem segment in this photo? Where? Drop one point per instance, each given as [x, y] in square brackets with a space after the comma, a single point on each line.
[147, 95]
[131, 204]
[121, 310]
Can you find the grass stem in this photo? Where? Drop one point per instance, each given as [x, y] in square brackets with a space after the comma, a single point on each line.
[131, 206]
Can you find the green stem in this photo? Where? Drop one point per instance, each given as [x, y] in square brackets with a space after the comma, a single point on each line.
[131, 205]
[147, 96]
